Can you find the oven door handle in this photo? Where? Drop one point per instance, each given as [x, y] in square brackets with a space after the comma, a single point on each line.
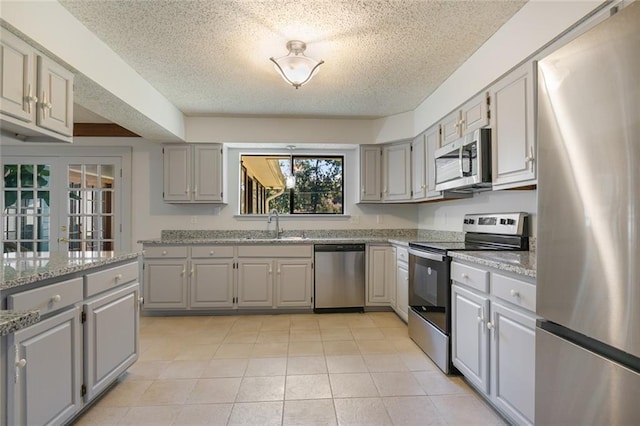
[426, 255]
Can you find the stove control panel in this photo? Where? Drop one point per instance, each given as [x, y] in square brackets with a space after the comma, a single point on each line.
[516, 223]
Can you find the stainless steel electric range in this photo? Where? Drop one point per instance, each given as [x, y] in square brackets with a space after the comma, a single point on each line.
[430, 282]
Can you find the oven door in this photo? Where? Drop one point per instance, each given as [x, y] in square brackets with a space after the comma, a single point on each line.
[429, 287]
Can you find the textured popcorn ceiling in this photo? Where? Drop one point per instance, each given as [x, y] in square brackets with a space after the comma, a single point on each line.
[212, 57]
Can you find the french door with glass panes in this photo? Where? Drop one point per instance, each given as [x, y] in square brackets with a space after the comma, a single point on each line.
[61, 204]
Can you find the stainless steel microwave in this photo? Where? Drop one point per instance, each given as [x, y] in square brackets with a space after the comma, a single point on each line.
[465, 164]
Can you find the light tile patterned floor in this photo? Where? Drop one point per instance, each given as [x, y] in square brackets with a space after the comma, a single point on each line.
[305, 369]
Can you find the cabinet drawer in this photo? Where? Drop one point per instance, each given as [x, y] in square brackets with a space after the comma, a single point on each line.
[165, 251]
[273, 250]
[470, 276]
[104, 280]
[211, 251]
[402, 254]
[515, 291]
[49, 298]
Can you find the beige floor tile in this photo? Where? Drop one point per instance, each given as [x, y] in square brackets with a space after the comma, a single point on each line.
[352, 385]
[269, 350]
[277, 322]
[367, 333]
[266, 367]
[346, 364]
[273, 336]
[306, 365]
[234, 350]
[436, 383]
[207, 337]
[397, 384]
[248, 323]
[344, 347]
[125, 393]
[405, 346]
[103, 416]
[152, 416]
[360, 321]
[161, 351]
[412, 410]
[146, 370]
[464, 410]
[386, 320]
[332, 321]
[203, 415]
[418, 362]
[191, 369]
[256, 389]
[361, 411]
[166, 392]
[392, 333]
[335, 334]
[241, 337]
[383, 363]
[304, 335]
[256, 413]
[304, 322]
[193, 351]
[312, 386]
[375, 347]
[315, 412]
[305, 348]
[226, 367]
[213, 391]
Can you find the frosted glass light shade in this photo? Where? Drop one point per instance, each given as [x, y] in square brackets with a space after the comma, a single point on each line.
[296, 68]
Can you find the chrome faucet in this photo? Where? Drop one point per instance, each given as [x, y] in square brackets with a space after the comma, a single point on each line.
[275, 212]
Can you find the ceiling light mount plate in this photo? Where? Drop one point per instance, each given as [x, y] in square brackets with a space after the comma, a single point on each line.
[296, 68]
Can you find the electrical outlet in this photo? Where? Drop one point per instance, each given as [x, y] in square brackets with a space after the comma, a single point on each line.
[194, 219]
[379, 219]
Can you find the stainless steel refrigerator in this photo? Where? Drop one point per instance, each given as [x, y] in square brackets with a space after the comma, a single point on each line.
[588, 255]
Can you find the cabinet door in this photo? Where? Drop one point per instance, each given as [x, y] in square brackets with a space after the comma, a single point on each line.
[44, 367]
[513, 129]
[111, 337]
[396, 161]
[470, 337]
[432, 141]
[419, 167]
[212, 283]
[370, 173]
[255, 282]
[55, 97]
[513, 363]
[293, 283]
[402, 293]
[207, 185]
[18, 83]
[165, 284]
[381, 276]
[474, 114]
[177, 172]
[450, 126]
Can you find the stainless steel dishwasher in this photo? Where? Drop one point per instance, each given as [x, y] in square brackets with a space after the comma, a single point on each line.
[339, 277]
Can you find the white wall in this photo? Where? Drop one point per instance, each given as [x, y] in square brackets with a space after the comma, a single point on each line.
[448, 215]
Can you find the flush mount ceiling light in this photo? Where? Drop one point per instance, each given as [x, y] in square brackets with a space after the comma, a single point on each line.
[296, 68]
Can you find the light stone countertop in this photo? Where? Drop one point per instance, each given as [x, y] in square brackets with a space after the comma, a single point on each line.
[518, 262]
[18, 271]
[11, 321]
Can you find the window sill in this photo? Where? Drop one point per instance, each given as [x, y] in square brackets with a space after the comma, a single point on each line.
[263, 217]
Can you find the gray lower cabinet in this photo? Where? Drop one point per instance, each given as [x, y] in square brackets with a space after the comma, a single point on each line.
[293, 283]
[211, 283]
[165, 284]
[45, 371]
[255, 282]
[110, 337]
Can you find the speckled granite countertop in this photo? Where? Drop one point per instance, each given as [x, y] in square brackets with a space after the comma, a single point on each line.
[17, 271]
[11, 321]
[519, 262]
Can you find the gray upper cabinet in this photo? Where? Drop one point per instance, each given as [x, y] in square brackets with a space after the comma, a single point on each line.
[193, 173]
[396, 168]
[370, 173]
[474, 114]
[36, 93]
[513, 128]
[419, 167]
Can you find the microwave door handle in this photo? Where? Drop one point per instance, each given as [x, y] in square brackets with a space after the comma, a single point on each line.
[460, 161]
